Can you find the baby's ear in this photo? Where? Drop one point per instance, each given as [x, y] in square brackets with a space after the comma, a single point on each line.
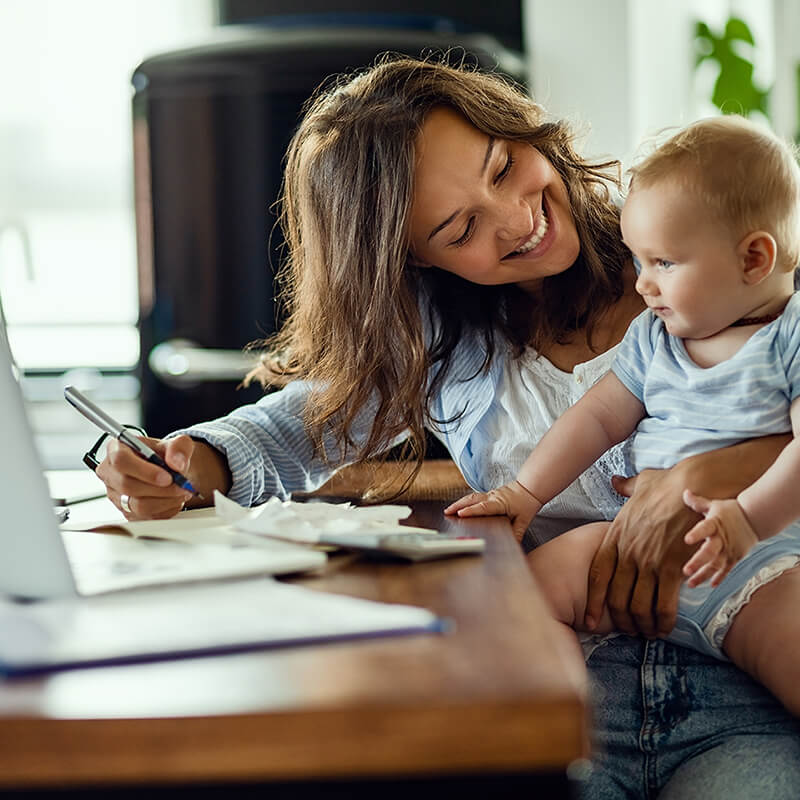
[757, 253]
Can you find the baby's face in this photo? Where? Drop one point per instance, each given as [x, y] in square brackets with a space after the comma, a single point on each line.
[689, 268]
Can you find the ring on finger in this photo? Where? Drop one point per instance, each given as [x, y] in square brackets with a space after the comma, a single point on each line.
[125, 503]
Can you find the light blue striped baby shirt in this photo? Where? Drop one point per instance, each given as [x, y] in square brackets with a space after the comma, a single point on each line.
[691, 409]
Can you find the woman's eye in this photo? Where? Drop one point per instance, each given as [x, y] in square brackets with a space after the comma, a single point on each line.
[506, 168]
[467, 235]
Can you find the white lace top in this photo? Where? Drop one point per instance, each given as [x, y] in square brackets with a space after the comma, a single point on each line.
[531, 394]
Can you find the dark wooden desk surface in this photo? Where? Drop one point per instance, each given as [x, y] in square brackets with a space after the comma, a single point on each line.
[503, 693]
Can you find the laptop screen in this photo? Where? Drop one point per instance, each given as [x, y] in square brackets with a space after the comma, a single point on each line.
[33, 563]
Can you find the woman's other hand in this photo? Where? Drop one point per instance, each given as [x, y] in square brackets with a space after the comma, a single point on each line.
[148, 490]
[512, 500]
[637, 571]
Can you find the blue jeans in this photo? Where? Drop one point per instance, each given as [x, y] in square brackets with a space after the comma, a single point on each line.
[675, 724]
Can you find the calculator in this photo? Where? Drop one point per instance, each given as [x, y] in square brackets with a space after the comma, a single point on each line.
[407, 546]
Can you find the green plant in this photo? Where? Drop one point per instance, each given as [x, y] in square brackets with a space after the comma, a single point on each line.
[734, 90]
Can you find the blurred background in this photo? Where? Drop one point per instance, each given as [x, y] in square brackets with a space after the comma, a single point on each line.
[140, 148]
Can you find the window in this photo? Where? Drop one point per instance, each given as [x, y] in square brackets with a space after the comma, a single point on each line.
[67, 240]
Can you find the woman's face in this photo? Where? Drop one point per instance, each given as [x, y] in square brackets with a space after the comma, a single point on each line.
[488, 210]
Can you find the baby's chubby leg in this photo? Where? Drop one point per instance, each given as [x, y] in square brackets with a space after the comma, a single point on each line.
[764, 638]
[561, 569]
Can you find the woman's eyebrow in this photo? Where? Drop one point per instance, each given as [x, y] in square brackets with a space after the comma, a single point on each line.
[486, 159]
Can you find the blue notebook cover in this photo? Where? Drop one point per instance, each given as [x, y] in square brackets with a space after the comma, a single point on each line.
[183, 621]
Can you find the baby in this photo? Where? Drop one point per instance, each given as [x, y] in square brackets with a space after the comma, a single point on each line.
[713, 221]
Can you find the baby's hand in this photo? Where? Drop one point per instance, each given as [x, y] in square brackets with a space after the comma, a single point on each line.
[728, 537]
[512, 500]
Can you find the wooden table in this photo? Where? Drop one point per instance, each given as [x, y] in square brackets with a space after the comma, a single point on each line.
[503, 694]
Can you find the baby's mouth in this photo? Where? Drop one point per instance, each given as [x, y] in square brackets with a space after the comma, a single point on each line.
[535, 239]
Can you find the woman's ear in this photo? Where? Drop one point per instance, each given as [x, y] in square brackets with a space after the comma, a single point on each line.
[757, 254]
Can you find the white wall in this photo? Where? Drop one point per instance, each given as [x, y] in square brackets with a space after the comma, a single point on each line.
[626, 67]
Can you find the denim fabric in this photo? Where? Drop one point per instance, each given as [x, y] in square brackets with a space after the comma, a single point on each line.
[674, 723]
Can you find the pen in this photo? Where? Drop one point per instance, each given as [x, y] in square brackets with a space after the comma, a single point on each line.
[122, 434]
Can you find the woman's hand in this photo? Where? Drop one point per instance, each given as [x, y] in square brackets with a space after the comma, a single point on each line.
[149, 491]
[637, 571]
[512, 500]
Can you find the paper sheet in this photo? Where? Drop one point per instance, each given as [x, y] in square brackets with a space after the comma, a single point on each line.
[231, 524]
[305, 522]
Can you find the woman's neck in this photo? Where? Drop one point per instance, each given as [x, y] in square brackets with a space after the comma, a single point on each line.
[608, 331]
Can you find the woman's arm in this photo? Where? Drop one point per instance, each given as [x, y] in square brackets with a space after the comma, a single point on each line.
[256, 452]
[637, 569]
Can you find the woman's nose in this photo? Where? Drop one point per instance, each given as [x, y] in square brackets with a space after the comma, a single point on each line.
[514, 219]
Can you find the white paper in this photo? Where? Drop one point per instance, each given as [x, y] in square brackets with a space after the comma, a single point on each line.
[230, 524]
[306, 522]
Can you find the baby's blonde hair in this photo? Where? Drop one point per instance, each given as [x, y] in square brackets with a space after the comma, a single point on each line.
[746, 176]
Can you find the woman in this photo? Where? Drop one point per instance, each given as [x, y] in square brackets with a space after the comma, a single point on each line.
[454, 264]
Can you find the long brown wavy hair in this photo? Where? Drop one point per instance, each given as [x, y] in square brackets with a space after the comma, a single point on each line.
[351, 295]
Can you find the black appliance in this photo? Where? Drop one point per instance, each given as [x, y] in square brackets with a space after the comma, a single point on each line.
[211, 126]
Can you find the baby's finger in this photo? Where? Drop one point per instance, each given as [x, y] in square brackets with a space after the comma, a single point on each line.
[702, 556]
[702, 505]
[484, 508]
[463, 502]
[704, 573]
[707, 554]
[721, 574]
[703, 530]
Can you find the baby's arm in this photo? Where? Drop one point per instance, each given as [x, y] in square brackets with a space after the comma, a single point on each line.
[604, 416]
[731, 527]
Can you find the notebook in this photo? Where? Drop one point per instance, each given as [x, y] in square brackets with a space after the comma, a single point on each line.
[38, 561]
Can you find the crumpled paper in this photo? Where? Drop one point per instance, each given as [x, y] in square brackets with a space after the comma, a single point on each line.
[307, 522]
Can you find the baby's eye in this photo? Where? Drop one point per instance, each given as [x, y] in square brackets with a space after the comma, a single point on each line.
[664, 265]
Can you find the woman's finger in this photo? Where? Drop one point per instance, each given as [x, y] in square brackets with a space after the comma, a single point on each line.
[624, 486]
[148, 507]
[122, 462]
[178, 452]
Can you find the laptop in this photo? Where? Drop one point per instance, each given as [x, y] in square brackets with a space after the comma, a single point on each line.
[39, 561]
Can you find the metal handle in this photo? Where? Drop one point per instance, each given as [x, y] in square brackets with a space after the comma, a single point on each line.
[183, 363]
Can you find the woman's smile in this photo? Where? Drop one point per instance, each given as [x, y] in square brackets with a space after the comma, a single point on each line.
[542, 236]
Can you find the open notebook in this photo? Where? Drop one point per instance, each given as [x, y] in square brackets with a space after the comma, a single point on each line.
[39, 563]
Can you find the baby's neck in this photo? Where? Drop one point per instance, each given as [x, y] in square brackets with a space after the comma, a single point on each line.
[713, 350]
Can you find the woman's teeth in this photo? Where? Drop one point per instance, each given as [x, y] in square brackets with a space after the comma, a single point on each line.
[538, 235]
